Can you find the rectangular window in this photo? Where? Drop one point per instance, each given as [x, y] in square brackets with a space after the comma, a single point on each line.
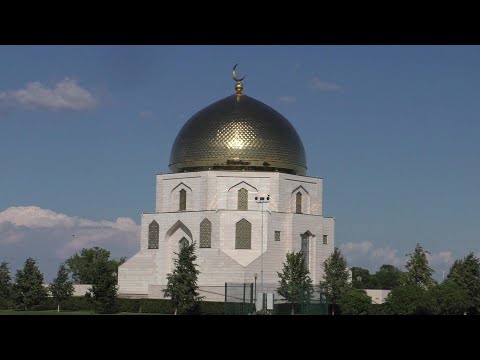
[325, 239]
[277, 235]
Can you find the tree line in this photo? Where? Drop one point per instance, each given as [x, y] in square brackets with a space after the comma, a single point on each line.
[413, 291]
[93, 266]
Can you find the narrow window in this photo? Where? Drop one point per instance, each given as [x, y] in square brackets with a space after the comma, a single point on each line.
[183, 200]
[305, 248]
[183, 243]
[242, 199]
[325, 239]
[243, 235]
[277, 235]
[298, 204]
[205, 234]
[153, 235]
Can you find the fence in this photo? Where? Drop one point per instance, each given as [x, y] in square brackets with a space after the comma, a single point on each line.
[240, 299]
[245, 298]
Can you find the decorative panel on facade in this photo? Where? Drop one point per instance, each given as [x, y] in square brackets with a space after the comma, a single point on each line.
[305, 248]
[243, 235]
[243, 199]
[183, 200]
[298, 203]
[153, 235]
[205, 234]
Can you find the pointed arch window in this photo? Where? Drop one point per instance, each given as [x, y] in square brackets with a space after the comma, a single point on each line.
[243, 199]
[183, 243]
[153, 235]
[206, 234]
[298, 203]
[243, 235]
[183, 200]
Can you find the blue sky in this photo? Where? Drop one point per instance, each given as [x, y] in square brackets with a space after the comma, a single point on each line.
[393, 130]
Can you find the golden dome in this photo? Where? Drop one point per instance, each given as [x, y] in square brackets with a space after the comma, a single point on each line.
[238, 133]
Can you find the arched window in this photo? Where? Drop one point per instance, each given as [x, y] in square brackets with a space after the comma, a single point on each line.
[243, 199]
[153, 235]
[243, 235]
[183, 200]
[205, 234]
[305, 248]
[183, 243]
[298, 203]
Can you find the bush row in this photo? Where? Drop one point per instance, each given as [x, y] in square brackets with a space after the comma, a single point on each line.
[154, 306]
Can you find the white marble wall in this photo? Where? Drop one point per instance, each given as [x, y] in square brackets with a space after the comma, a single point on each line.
[213, 195]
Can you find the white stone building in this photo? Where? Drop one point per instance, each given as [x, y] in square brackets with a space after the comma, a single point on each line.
[224, 159]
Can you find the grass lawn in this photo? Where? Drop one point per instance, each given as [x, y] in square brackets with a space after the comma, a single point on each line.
[54, 312]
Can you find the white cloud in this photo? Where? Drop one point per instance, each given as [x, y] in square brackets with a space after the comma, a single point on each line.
[321, 85]
[35, 217]
[365, 254]
[145, 115]
[444, 258]
[65, 95]
[287, 99]
[47, 235]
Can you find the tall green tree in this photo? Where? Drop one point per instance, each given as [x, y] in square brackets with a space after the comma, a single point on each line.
[182, 285]
[466, 274]
[28, 288]
[61, 287]
[355, 302]
[388, 277]
[104, 288]
[362, 279]
[418, 272]
[83, 264]
[295, 283]
[408, 300]
[449, 298]
[335, 277]
[5, 286]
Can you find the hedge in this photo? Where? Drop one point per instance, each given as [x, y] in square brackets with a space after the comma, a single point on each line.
[148, 306]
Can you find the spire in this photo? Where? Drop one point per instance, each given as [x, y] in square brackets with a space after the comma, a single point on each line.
[238, 85]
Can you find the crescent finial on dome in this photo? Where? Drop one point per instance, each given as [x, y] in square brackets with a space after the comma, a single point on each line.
[238, 85]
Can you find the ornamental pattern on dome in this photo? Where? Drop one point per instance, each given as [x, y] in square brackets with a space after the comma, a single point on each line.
[238, 133]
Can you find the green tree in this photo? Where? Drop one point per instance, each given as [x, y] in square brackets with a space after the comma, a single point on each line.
[408, 300]
[28, 288]
[449, 298]
[83, 264]
[61, 287]
[418, 272]
[388, 277]
[362, 279]
[335, 276]
[182, 282]
[104, 288]
[466, 274]
[5, 286]
[295, 283]
[355, 302]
